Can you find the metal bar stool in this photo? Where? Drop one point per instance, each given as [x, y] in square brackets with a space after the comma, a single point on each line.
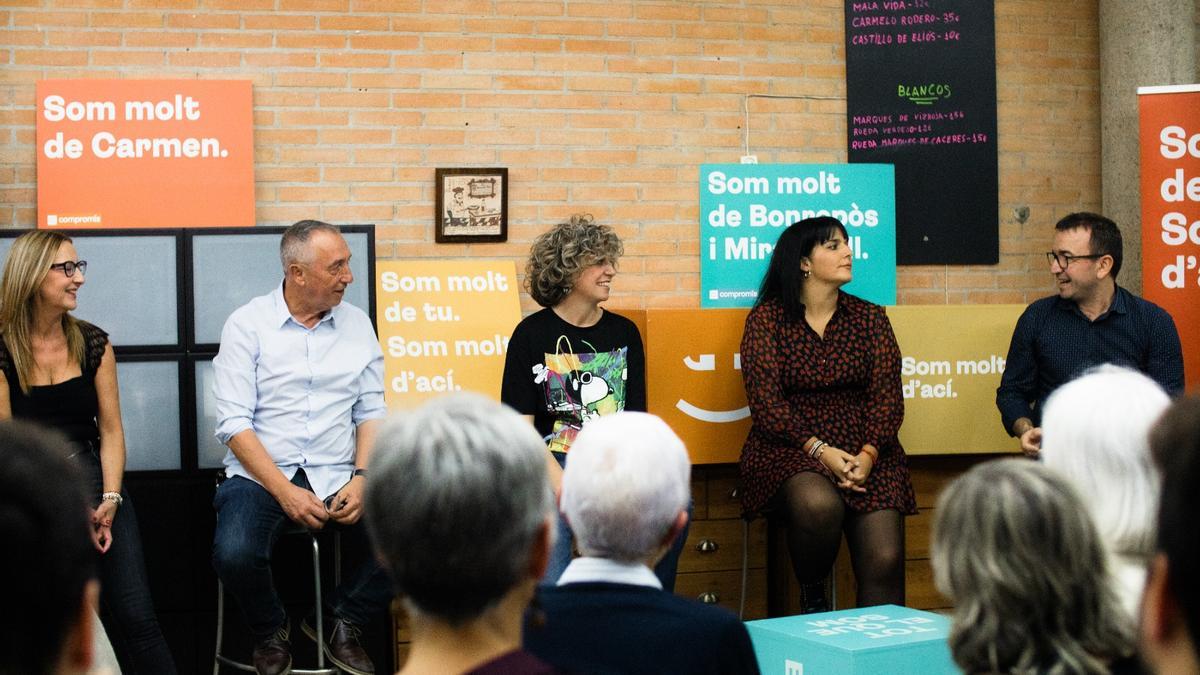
[767, 513]
[321, 669]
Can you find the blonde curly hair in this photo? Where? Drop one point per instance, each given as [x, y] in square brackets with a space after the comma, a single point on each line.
[558, 256]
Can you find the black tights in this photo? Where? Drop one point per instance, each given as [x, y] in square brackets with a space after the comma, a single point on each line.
[816, 517]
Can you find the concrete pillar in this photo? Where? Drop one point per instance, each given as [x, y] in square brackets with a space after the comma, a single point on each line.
[1142, 43]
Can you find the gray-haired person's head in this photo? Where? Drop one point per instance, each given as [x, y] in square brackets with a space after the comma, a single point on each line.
[457, 498]
[293, 245]
[1017, 553]
[626, 481]
[1096, 432]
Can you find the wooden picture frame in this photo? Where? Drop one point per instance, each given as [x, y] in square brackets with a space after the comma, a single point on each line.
[470, 205]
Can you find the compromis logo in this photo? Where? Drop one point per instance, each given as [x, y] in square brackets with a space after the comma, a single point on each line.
[715, 294]
[53, 220]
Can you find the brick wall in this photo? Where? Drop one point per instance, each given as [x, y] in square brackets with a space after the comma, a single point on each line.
[601, 107]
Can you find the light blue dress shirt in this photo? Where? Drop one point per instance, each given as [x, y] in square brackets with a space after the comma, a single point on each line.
[303, 391]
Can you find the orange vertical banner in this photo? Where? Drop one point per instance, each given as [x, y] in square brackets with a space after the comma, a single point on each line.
[1169, 123]
[145, 153]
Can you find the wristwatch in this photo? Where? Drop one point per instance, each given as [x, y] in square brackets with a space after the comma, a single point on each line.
[360, 472]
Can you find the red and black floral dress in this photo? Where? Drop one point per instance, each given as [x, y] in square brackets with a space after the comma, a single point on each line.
[843, 388]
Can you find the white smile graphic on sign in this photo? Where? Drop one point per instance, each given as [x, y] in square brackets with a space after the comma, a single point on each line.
[709, 362]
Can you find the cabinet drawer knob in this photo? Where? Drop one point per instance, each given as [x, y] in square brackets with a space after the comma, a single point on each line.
[707, 546]
[709, 598]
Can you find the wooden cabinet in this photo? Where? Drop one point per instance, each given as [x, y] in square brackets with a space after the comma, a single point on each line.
[711, 564]
[769, 570]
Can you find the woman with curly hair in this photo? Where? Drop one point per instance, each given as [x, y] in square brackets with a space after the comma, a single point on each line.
[1015, 550]
[574, 361]
[61, 372]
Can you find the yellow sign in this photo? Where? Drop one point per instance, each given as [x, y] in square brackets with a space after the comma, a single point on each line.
[444, 326]
[953, 357]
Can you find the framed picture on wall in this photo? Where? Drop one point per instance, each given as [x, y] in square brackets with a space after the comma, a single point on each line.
[471, 205]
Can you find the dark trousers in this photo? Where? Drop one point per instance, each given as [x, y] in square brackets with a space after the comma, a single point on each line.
[126, 608]
[249, 522]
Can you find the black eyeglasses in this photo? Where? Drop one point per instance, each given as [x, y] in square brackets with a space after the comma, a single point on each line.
[68, 268]
[1065, 259]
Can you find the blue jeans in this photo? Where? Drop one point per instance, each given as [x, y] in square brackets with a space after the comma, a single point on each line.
[564, 544]
[126, 608]
[249, 522]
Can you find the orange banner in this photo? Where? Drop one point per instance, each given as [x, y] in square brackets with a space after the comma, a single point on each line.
[145, 153]
[952, 360]
[1169, 120]
[694, 379]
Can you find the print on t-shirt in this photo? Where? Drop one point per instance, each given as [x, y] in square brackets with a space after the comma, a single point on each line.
[579, 387]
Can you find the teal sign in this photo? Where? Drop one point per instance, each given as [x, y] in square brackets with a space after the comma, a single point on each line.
[744, 208]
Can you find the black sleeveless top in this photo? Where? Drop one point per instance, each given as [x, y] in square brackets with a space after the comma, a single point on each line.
[68, 407]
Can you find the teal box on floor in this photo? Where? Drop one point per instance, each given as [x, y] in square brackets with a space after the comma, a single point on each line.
[866, 641]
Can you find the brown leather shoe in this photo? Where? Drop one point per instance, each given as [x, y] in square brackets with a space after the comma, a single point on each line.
[273, 656]
[343, 646]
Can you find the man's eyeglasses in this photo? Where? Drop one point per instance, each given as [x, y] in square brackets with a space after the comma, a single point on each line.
[1065, 259]
[68, 268]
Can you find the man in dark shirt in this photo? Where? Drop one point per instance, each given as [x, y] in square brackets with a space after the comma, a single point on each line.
[1091, 321]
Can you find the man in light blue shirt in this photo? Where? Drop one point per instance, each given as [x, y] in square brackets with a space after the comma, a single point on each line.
[299, 390]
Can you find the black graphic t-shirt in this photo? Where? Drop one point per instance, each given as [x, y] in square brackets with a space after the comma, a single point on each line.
[565, 375]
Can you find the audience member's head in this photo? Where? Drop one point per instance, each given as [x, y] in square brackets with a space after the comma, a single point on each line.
[1171, 605]
[626, 487]
[1017, 554]
[48, 559]
[459, 506]
[1096, 433]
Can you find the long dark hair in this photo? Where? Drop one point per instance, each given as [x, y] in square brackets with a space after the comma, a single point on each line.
[784, 279]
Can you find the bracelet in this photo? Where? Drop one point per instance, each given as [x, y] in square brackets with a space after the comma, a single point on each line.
[816, 449]
[872, 453]
[820, 451]
[359, 472]
[114, 497]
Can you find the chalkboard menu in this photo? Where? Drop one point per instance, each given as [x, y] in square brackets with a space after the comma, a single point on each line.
[921, 94]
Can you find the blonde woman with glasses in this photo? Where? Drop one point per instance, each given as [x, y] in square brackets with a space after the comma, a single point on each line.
[61, 372]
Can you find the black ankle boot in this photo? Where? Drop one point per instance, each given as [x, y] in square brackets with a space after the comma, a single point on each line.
[812, 598]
